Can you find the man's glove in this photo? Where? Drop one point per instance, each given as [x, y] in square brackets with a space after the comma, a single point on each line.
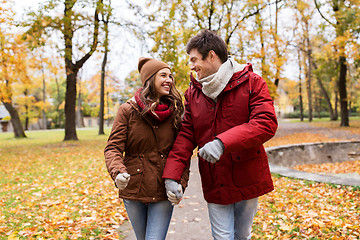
[122, 180]
[212, 151]
[173, 191]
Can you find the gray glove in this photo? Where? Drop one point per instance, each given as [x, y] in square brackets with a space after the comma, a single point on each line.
[173, 191]
[212, 151]
[122, 180]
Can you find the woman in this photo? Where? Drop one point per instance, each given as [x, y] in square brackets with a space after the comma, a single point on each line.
[142, 135]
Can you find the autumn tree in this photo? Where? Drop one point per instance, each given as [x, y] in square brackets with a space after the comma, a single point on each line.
[300, 89]
[13, 70]
[130, 85]
[279, 45]
[325, 71]
[91, 95]
[306, 14]
[73, 25]
[343, 17]
[13, 66]
[106, 16]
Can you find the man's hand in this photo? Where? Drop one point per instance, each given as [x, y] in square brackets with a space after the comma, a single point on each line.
[173, 191]
[122, 180]
[212, 151]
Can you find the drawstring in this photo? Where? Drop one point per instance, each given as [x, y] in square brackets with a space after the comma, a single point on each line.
[250, 85]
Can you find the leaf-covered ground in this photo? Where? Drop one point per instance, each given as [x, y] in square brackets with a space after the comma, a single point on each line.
[55, 190]
[300, 209]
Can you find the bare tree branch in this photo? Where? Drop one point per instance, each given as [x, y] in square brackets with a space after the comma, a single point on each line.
[197, 14]
[81, 62]
[227, 40]
[318, 8]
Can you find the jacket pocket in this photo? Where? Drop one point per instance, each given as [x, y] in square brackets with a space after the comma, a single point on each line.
[135, 172]
[246, 154]
[247, 169]
[205, 173]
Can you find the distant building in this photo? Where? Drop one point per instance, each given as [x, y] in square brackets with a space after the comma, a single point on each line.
[90, 122]
[5, 123]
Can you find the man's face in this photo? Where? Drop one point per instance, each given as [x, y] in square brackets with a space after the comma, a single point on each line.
[202, 67]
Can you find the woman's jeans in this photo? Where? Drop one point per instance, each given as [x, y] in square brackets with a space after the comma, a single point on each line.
[232, 221]
[149, 220]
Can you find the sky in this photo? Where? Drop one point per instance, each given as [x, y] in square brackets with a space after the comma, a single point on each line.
[125, 50]
[21, 5]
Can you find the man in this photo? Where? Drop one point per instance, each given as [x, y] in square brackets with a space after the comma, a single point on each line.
[229, 114]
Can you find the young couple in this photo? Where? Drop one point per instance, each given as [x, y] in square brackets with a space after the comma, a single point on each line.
[228, 115]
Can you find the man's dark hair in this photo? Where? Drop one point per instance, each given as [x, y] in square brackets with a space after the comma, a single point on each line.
[208, 40]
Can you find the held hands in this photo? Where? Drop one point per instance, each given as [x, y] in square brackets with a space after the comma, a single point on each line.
[173, 191]
[212, 151]
[122, 180]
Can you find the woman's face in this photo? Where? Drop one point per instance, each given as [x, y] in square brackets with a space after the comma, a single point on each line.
[163, 82]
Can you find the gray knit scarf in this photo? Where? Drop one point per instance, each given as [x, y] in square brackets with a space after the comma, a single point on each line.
[213, 85]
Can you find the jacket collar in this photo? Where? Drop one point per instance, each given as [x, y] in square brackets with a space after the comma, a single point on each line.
[236, 79]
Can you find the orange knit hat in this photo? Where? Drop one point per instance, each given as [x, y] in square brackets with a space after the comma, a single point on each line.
[148, 67]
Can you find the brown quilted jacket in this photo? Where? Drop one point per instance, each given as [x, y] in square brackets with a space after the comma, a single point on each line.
[139, 146]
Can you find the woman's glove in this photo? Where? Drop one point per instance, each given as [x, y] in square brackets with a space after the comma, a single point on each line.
[212, 151]
[122, 180]
[173, 191]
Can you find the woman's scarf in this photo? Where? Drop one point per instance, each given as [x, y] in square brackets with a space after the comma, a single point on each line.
[161, 112]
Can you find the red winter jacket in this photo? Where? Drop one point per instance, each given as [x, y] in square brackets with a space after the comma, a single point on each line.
[243, 118]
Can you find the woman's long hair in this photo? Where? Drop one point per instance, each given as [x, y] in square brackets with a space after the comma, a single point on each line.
[148, 96]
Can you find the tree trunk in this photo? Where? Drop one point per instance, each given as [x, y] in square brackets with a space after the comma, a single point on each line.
[26, 111]
[44, 119]
[309, 72]
[73, 68]
[15, 120]
[336, 105]
[26, 118]
[103, 71]
[343, 93]
[318, 105]
[59, 101]
[341, 27]
[102, 95]
[338, 6]
[327, 99]
[300, 88]
[70, 103]
[79, 116]
[108, 108]
[276, 46]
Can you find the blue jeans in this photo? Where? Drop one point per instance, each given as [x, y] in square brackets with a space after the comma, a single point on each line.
[232, 221]
[149, 220]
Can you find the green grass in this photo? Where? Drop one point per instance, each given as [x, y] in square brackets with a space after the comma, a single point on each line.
[50, 136]
[324, 119]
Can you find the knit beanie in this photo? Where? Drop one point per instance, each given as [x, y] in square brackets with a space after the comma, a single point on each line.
[148, 67]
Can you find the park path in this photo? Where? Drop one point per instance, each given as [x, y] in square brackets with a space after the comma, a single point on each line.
[190, 219]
